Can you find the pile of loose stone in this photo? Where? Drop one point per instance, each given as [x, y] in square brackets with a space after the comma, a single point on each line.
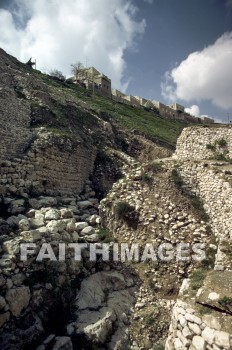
[50, 220]
[165, 216]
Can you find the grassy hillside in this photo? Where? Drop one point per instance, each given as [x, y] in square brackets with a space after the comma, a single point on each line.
[129, 117]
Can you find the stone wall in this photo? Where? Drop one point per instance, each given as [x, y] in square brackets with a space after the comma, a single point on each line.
[189, 330]
[211, 183]
[53, 164]
[15, 120]
[210, 180]
[201, 318]
[193, 141]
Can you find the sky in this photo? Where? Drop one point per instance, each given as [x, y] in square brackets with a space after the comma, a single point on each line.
[165, 50]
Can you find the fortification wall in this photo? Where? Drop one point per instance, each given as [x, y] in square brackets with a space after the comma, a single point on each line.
[15, 121]
[53, 164]
[190, 329]
[211, 183]
[200, 319]
[210, 180]
[194, 142]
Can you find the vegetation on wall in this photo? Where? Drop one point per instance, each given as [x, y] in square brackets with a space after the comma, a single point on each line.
[220, 150]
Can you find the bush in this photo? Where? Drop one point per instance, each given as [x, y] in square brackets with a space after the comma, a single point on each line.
[176, 178]
[122, 209]
[149, 319]
[211, 147]
[55, 73]
[197, 203]
[225, 301]
[104, 235]
[155, 167]
[146, 178]
[102, 157]
[222, 143]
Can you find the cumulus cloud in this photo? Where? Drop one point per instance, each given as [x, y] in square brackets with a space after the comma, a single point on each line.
[205, 74]
[58, 33]
[193, 110]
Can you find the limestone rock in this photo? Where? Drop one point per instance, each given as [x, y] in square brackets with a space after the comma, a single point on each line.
[222, 339]
[63, 343]
[100, 330]
[199, 342]
[52, 214]
[4, 318]
[80, 225]
[89, 230]
[18, 299]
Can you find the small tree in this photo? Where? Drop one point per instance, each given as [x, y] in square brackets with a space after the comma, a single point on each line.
[76, 68]
[57, 74]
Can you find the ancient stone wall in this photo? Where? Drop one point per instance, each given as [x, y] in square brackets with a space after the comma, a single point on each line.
[53, 164]
[212, 184]
[15, 121]
[204, 143]
[210, 180]
[201, 317]
[189, 330]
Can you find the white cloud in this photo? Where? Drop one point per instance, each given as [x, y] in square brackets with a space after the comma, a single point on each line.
[206, 74]
[193, 110]
[58, 33]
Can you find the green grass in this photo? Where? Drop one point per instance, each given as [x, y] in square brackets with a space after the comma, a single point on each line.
[149, 319]
[59, 132]
[135, 118]
[197, 279]
[129, 117]
[105, 235]
[204, 310]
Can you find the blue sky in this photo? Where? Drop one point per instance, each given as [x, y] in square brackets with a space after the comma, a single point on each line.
[167, 50]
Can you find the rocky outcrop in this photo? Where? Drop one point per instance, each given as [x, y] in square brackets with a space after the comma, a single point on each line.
[104, 303]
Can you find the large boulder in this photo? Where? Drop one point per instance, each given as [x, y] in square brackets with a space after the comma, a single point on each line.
[18, 299]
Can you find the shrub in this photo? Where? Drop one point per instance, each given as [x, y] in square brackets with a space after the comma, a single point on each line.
[146, 178]
[122, 209]
[102, 157]
[156, 166]
[197, 203]
[222, 157]
[222, 143]
[55, 73]
[149, 319]
[104, 235]
[158, 347]
[225, 301]
[176, 178]
[209, 261]
[211, 147]
[204, 310]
